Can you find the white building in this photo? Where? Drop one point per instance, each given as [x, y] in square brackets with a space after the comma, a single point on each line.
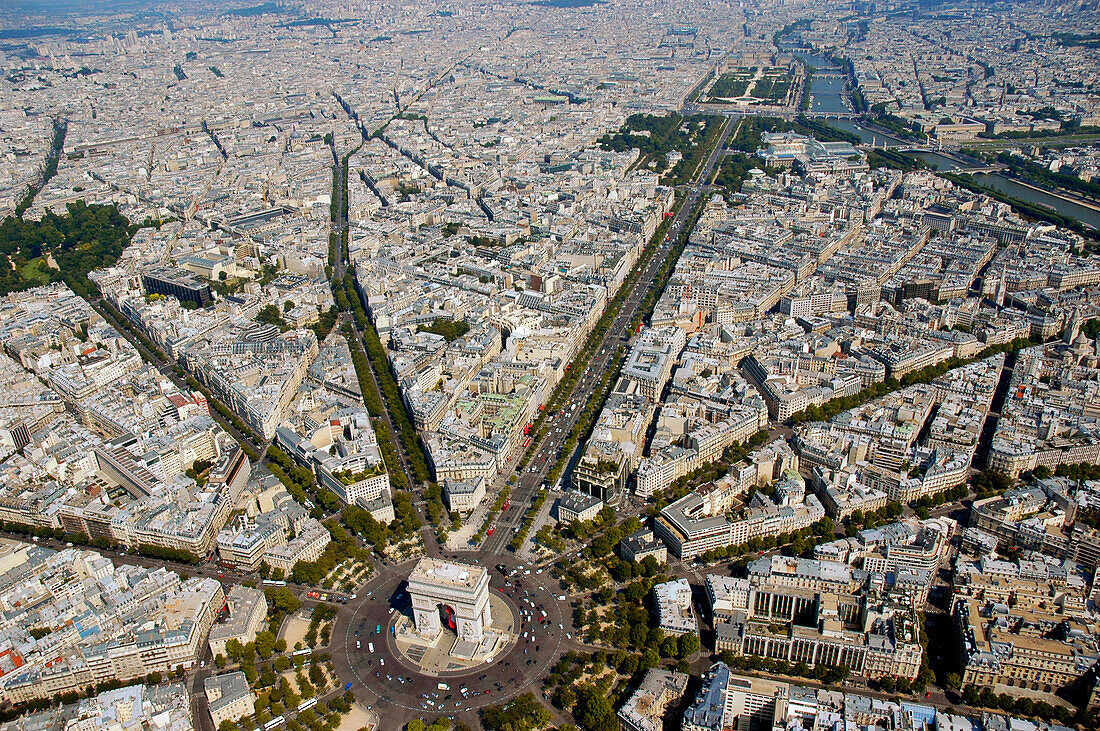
[674, 612]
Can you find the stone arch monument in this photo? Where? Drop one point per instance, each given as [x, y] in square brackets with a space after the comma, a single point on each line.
[457, 591]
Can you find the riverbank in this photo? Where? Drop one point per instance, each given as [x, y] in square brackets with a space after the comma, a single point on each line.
[1022, 207]
[1058, 193]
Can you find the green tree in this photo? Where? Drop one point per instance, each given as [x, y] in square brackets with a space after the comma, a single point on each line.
[317, 676]
[523, 713]
[235, 650]
[282, 600]
[595, 711]
[688, 644]
[265, 644]
[269, 315]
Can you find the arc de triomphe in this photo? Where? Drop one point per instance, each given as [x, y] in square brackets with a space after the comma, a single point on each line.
[442, 590]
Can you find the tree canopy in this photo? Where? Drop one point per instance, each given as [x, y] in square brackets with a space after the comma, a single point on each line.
[84, 238]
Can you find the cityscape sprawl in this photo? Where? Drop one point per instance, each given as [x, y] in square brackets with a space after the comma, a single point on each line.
[572, 364]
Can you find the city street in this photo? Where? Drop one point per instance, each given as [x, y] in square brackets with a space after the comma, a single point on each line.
[558, 427]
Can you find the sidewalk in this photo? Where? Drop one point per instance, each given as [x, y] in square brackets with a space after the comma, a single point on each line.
[528, 550]
[459, 540]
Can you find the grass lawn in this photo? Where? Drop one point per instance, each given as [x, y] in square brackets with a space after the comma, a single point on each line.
[32, 273]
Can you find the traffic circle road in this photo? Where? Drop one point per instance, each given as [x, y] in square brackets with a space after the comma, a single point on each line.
[393, 685]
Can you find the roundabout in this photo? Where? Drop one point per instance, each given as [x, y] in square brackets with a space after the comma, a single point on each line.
[446, 637]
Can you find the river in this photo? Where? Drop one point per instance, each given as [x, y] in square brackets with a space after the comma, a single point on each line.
[1008, 186]
[827, 97]
[1087, 216]
[826, 85]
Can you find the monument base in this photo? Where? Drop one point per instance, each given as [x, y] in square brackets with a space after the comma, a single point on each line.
[447, 653]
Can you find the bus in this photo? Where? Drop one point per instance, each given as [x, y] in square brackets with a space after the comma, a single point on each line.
[269, 582]
[277, 721]
[303, 651]
[504, 507]
[304, 705]
[527, 442]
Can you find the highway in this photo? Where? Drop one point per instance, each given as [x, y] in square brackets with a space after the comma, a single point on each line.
[559, 426]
